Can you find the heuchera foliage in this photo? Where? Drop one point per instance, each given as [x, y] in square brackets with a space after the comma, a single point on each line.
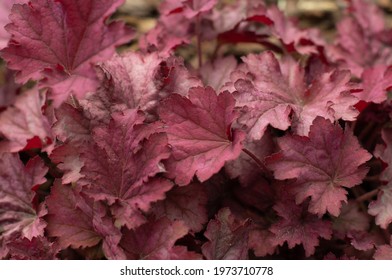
[113, 153]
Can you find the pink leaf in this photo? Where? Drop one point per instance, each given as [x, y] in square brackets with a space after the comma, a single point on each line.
[68, 160]
[228, 237]
[382, 207]
[376, 82]
[217, 73]
[199, 132]
[383, 252]
[5, 10]
[119, 163]
[17, 213]
[359, 43]
[24, 121]
[297, 226]
[350, 219]
[61, 41]
[270, 90]
[137, 81]
[187, 204]
[322, 164]
[154, 240]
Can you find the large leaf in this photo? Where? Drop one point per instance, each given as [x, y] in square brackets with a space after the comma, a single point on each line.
[119, 163]
[61, 41]
[268, 91]
[199, 132]
[322, 164]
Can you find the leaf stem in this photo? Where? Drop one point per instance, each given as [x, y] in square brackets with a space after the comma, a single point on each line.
[368, 195]
[198, 39]
[259, 163]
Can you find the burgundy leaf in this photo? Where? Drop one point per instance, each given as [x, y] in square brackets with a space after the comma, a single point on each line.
[17, 213]
[38, 248]
[297, 226]
[244, 167]
[119, 164]
[228, 237]
[270, 90]
[322, 164]
[199, 132]
[77, 220]
[187, 204]
[154, 240]
[60, 41]
[24, 121]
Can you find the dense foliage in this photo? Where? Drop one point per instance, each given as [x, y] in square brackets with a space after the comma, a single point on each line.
[113, 153]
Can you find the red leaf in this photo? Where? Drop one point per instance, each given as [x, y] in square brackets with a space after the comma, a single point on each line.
[197, 133]
[228, 237]
[270, 90]
[17, 214]
[118, 166]
[297, 226]
[154, 240]
[322, 164]
[187, 204]
[60, 41]
[23, 121]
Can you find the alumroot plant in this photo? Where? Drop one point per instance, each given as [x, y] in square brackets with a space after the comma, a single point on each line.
[283, 154]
